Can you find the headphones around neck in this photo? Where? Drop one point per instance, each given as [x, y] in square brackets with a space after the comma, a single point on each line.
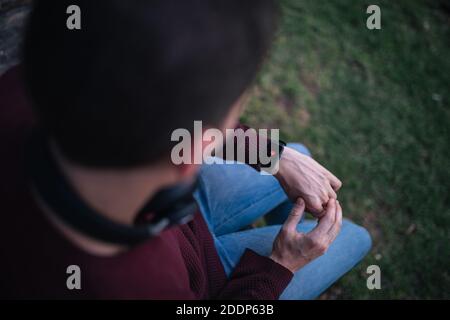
[168, 207]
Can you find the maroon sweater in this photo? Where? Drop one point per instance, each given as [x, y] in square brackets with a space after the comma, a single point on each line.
[181, 263]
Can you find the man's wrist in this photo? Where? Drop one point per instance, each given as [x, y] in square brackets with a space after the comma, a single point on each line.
[274, 258]
[287, 152]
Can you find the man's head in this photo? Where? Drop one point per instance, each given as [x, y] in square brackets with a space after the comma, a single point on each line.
[111, 93]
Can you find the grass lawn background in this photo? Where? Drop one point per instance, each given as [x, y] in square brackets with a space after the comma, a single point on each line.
[373, 107]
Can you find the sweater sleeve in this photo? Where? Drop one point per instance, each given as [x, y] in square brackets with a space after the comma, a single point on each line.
[256, 277]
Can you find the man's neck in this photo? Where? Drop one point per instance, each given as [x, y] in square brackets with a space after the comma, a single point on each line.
[118, 195]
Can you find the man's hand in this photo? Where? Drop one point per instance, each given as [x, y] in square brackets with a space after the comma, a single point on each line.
[303, 177]
[293, 249]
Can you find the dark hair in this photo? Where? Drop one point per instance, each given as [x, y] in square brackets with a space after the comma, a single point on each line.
[111, 93]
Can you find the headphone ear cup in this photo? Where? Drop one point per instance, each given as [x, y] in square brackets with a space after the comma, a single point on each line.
[175, 203]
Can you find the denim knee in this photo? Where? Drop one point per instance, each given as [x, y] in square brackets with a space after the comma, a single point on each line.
[363, 239]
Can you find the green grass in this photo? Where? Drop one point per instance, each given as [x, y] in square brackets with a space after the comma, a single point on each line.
[373, 107]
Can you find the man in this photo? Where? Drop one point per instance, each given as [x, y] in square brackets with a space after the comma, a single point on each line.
[105, 100]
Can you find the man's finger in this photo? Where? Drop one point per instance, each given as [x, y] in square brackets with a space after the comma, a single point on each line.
[327, 221]
[315, 205]
[331, 192]
[335, 229]
[295, 216]
[334, 181]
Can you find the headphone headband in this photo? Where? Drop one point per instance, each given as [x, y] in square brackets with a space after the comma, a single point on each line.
[170, 206]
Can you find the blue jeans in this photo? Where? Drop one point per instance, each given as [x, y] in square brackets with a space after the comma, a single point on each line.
[232, 196]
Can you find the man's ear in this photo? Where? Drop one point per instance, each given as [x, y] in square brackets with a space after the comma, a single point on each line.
[210, 138]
